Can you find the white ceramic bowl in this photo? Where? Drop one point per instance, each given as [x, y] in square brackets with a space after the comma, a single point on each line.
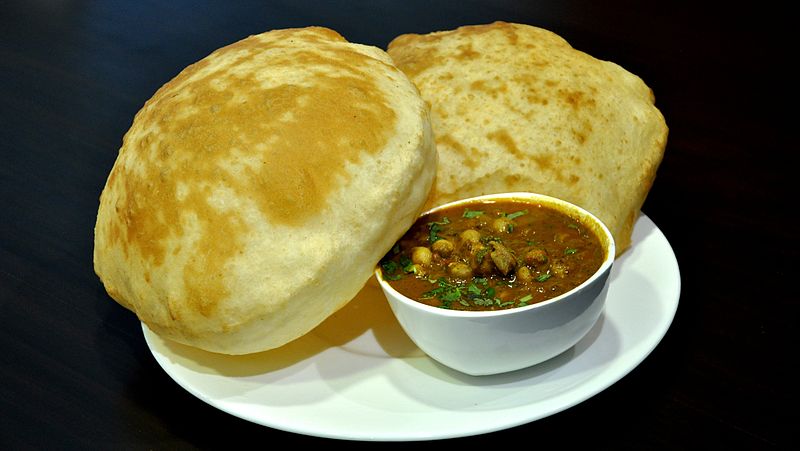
[491, 342]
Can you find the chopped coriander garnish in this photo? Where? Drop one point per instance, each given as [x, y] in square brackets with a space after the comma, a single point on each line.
[435, 228]
[390, 268]
[517, 214]
[407, 264]
[570, 251]
[446, 291]
[466, 295]
[524, 300]
[543, 277]
[433, 236]
[469, 214]
[488, 239]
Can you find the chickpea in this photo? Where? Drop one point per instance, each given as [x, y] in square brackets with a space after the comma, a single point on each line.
[502, 225]
[471, 236]
[535, 257]
[443, 247]
[524, 274]
[460, 270]
[421, 255]
[559, 269]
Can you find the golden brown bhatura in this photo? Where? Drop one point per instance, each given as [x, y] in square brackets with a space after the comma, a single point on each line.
[255, 192]
[516, 108]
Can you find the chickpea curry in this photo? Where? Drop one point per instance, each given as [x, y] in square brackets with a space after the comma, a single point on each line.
[492, 256]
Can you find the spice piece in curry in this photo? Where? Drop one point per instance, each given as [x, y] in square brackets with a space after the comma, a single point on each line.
[492, 256]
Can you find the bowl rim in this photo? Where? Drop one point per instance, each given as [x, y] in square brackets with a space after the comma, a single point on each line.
[605, 266]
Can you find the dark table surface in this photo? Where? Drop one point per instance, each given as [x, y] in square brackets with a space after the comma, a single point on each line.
[75, 371]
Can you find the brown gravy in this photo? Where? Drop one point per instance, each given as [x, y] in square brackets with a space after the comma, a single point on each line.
[492, 256]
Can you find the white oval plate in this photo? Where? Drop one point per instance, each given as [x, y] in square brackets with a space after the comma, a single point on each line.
[357, 375]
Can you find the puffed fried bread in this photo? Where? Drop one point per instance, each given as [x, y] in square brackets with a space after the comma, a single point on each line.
[516, 108]
[255, 192]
